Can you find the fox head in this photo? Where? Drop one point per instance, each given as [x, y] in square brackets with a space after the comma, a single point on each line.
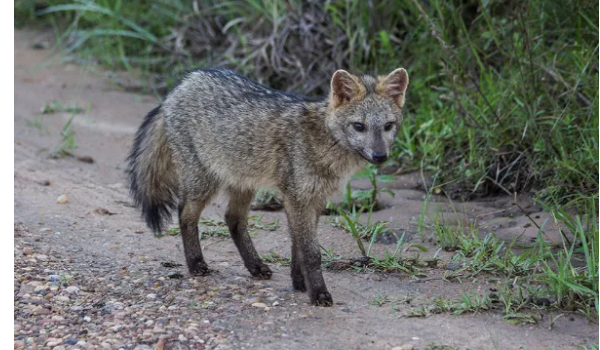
[365, 111]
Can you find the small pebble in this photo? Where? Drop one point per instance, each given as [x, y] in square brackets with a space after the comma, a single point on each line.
[41, 311]
[260, 305]
[28, 250]
[54, 278]
[70, 341]
[86, 159]
[62, 199]
[72, 290]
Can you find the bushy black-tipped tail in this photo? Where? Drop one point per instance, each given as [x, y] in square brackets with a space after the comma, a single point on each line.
[152, 177]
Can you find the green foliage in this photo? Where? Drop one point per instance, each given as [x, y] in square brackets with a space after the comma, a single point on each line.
[367, 199]
[67, 145]
[489, 254]
[571, 280]
[274, 258]
[55, 107]
[217, 227]
[568, 276]
[267, 199]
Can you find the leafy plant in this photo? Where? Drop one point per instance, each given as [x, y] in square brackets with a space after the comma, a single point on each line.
[67, 145]
[366, 199]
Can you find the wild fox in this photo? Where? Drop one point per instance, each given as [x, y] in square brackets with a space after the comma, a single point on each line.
[219, 130]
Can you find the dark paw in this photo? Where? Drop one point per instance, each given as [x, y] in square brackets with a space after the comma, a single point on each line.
[198, 269]
[321, 299]
[261, 271]
[298, 283]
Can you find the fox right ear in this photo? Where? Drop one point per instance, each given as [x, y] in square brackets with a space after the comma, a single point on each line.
[344, 88]
[394, 86]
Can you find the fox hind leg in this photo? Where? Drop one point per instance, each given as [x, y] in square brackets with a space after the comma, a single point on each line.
[197, 188]
[236, 218]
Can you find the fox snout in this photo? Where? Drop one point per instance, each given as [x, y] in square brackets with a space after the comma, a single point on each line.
[374, 157]
[378, 157]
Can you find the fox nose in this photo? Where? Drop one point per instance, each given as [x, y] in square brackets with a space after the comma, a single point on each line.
[379, 157]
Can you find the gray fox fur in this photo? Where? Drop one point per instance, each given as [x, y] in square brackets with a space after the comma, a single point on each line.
[221, 131]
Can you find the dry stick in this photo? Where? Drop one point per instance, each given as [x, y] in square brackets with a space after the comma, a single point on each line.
[509, 167]
[553, 320]
[521, 208]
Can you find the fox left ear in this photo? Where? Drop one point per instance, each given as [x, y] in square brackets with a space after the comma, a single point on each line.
[345, 87]
[394, 86]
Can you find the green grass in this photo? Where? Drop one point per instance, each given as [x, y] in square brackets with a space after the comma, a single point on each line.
[572, 273]
[209, 227]
[471, 302]
[274, 258]
[366, 199]
[367, 231]
[565, 276]
[67, 144]
[267, 199]
[380, 300]
[56, 107]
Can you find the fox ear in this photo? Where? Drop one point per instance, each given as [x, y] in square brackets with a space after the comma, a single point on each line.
[344, 87]
[394, 85]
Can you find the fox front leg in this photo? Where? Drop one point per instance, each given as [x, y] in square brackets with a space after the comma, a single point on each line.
[306, 256]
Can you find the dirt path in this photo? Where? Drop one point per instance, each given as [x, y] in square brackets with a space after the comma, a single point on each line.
[89, 274]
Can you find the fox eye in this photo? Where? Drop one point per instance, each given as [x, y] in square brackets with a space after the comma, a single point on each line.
[388, 126]
[360, 127]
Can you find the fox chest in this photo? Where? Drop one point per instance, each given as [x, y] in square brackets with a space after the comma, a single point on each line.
[324, 184]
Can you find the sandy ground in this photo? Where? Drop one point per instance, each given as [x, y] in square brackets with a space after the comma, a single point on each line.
[90, 275]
